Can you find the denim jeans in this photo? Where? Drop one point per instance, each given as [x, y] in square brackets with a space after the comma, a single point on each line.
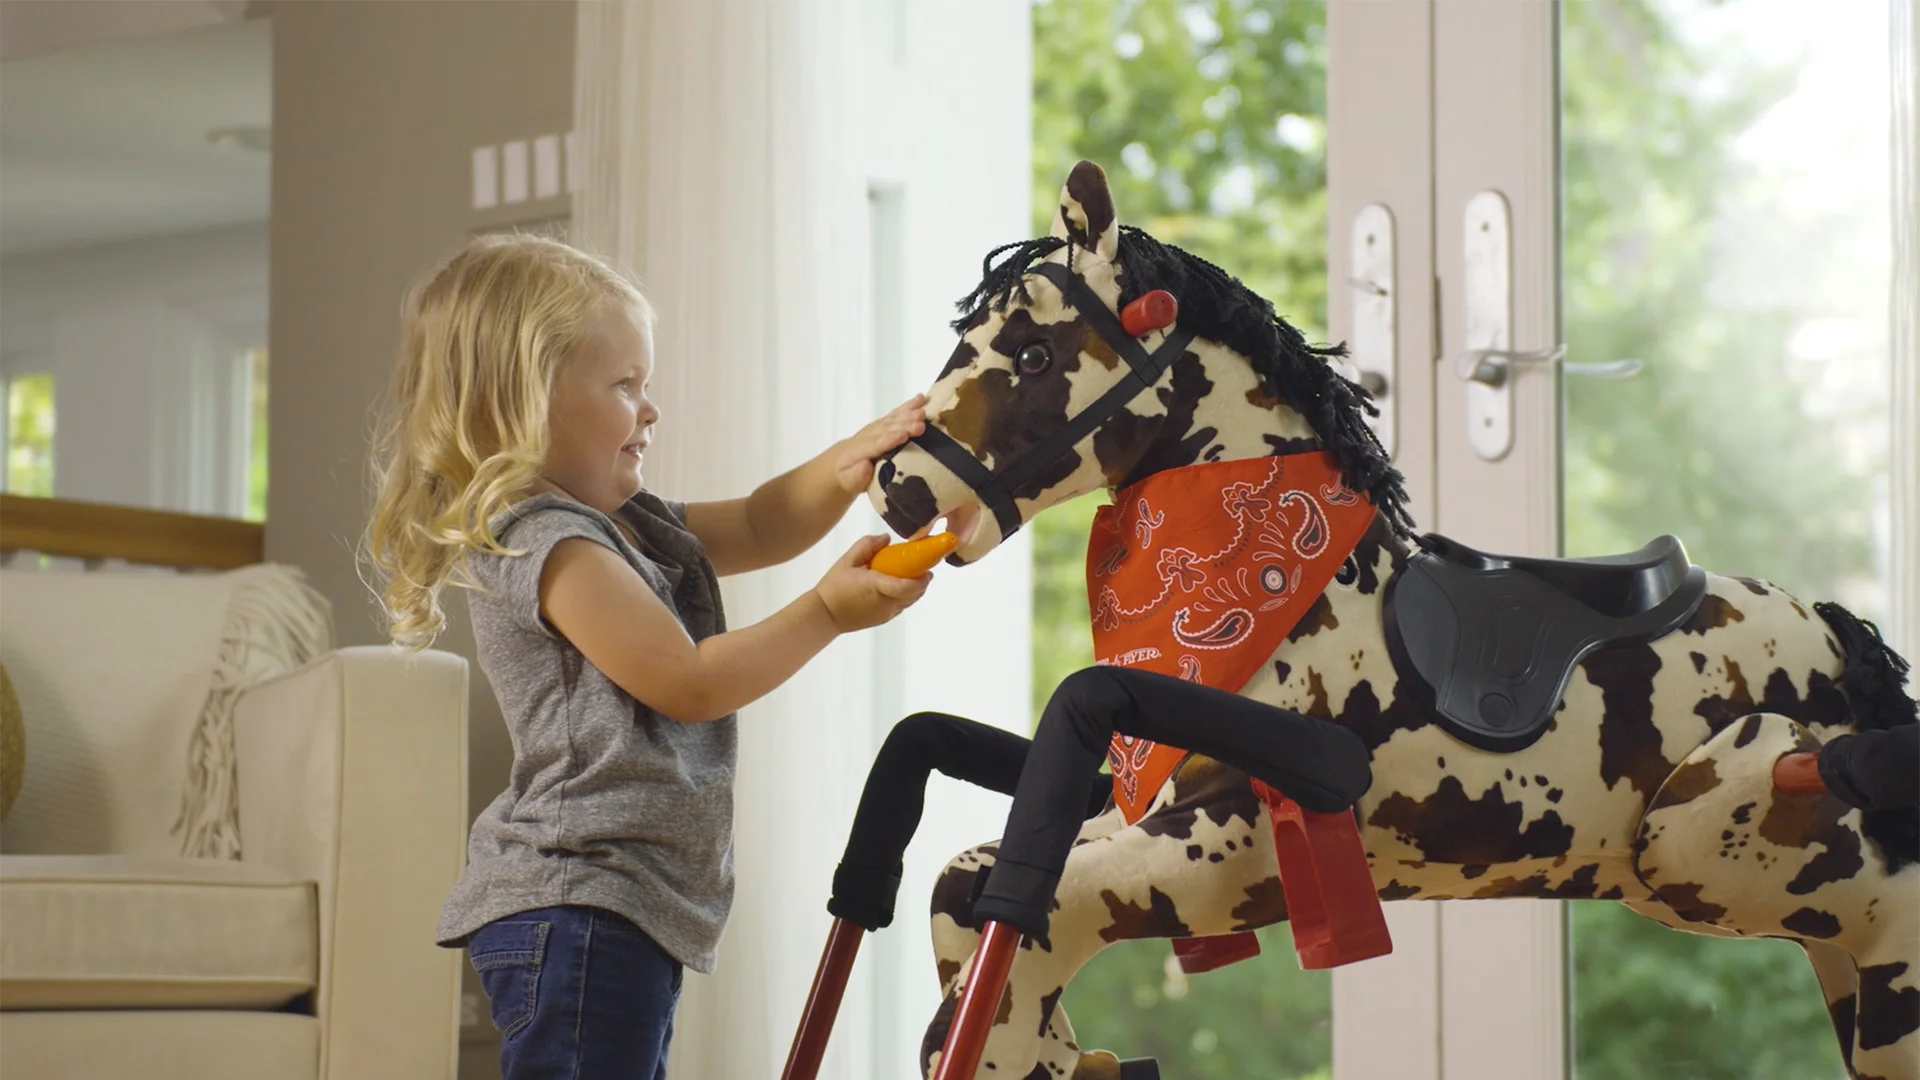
[578, 994]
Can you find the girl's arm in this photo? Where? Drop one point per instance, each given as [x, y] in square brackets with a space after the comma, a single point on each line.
[790, 513]
[596, 601]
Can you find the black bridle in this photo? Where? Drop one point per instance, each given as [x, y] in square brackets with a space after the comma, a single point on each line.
[995, 487]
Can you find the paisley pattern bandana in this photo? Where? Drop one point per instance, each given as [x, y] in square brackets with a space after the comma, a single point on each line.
[1201, 571]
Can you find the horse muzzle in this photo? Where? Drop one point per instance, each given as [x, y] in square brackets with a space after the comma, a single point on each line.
[912, 491]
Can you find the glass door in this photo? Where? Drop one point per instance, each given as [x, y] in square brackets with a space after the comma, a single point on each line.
[1696, 339]
[1726, 200]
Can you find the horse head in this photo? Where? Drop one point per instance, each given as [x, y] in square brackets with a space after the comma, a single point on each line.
[1096, 356]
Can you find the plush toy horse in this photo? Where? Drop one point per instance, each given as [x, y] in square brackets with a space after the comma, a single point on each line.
[1578, 729]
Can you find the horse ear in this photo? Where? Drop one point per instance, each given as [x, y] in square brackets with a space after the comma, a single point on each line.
[1086, 218]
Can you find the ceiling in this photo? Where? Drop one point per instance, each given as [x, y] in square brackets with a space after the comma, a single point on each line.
[104, 115]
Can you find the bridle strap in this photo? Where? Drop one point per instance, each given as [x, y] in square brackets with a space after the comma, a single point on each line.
[972, 473]
[1149, 367]
[995, 488]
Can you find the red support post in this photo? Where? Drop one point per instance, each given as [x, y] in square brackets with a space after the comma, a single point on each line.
[986, 981]
[823, 1001]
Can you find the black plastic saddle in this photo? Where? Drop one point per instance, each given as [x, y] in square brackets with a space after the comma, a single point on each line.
[1489, 642]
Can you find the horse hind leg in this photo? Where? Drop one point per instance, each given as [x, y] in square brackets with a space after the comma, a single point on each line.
[1840, 985]
[1875, 1010]
[1886, 1021]
[1092, 1064]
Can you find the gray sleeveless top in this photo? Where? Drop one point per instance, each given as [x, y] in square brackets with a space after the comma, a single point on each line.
[609, 804]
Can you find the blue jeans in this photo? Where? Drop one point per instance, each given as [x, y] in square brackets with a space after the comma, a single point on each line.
[578, 994]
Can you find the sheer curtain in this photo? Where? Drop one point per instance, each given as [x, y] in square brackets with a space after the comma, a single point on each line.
[1906, 325]
[719, 145]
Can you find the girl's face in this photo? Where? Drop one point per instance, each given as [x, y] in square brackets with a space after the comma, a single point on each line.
[599, 419]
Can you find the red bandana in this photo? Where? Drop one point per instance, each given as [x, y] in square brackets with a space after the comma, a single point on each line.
[1201, 571]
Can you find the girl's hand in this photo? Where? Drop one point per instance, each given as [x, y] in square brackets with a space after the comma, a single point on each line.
[857, 597]
[854, 457]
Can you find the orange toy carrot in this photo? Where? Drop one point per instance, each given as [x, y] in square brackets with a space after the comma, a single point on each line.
[914, 557]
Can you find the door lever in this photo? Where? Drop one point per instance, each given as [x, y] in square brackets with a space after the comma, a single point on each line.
[1492, 367]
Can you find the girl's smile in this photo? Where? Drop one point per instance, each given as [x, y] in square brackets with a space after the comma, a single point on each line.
[599, 415]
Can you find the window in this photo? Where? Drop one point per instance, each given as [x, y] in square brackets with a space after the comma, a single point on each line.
[29, 434]
[1726, 219]
[256, 445]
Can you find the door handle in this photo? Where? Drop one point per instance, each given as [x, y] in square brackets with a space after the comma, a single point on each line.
[1490, 355]
[1373, 348]
[1492, 367]
[1490, 361]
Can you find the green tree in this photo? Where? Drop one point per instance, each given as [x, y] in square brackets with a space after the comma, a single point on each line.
[1651, 1003]
[1209, 118]
[30, 435]
[1712, 442]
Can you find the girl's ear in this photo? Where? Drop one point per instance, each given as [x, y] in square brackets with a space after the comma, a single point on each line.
[1086, 218]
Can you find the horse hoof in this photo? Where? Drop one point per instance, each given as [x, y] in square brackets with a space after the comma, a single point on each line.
[1140, 1069]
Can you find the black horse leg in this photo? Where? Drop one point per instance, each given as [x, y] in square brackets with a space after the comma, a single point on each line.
[1320, 765]
[868, 877]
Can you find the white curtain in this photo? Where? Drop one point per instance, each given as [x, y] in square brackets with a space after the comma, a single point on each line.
[1905, 39]
[718, 143]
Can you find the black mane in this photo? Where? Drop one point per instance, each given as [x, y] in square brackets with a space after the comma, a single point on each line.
[1215, 305]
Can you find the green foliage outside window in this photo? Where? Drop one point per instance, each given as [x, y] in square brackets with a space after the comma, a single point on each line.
[256, 360]
[30, 435]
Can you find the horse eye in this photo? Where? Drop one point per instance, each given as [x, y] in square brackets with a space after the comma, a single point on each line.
[1033, 359]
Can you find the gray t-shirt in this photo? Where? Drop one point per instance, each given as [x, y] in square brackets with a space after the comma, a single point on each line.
[609, 803]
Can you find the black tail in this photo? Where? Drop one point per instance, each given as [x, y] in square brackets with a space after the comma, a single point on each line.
[1874, 679]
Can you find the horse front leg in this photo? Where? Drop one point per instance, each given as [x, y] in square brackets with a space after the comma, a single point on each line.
[1023, 1040]
[1320, 765]
[1201, 863]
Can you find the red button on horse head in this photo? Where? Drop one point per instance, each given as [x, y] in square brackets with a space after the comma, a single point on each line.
[1152, 311]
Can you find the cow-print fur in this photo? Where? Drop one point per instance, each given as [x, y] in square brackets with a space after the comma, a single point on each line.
[1651, 785]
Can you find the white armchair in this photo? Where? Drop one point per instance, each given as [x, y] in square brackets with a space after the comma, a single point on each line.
[151, 731]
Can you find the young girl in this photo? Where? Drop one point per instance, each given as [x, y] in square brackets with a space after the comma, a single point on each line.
[510, 464]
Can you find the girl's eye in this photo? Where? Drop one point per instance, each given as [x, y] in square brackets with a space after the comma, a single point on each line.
[1033, 359]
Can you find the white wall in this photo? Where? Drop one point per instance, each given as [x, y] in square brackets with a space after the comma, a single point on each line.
[143, 340]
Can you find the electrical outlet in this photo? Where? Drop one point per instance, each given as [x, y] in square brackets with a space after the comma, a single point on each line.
[470, 1013]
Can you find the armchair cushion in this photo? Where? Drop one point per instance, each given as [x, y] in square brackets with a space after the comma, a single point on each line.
[161, 1044]
[123, 932]
[128, 680]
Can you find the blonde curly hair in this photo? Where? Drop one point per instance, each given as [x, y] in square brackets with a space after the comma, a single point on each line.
[463, 433]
